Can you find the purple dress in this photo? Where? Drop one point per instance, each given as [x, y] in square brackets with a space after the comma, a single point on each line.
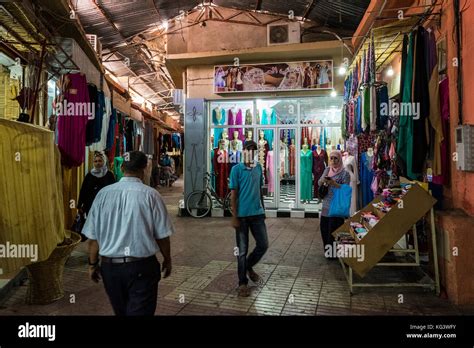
[73, 120]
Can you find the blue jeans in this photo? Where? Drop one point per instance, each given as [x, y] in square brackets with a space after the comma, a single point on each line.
[256, 224]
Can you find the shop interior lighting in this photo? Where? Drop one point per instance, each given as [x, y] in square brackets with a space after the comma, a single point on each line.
[333, 93]
[342, 70]
[390, 72]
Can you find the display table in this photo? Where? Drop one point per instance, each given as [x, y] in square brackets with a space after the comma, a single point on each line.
[382, 237]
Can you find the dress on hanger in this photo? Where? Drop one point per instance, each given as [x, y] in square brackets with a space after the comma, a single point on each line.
[269, 168]
[222, 170]
[366, 178]
[263, 149]
[306, 175]
[320, 162]
[218, 119]
[350, 166]
[292, 159]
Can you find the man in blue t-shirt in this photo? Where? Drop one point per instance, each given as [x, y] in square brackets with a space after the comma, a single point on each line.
[246, 182]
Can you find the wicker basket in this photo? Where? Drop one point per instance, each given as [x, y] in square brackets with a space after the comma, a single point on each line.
[46, 277]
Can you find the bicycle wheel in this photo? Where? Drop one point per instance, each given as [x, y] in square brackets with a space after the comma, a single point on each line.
[227, 203]
[198, 204]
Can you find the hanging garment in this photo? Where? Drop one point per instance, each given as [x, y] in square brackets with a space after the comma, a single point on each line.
[351, 167]
[405, 130]
[292, 159]
[268, 132]
[306, 177]
[320, 162]
[31, 193]
[91, 124]
[263, 149]
[111, 131]
[148, 144]
[222, 171]
[213, 178]
[269, 169]
[248, 117]
[231, 121]
[283, 159]
[129, 135]
[366, 178]
[434, 107]
[444, 105]
[238, 122]
[176, 139]
[101, 145]
[218, 119]
[72, 128]
[118, 161]
[323, 139]
[421, 97]
[382, 100]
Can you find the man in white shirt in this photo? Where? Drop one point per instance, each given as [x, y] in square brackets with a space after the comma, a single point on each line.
[127, 224]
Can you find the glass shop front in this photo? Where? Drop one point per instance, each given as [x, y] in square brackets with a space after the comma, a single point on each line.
[294, 137]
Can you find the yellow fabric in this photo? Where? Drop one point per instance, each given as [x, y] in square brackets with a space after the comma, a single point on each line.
[9, 108]
[31, 199]
[72, 181]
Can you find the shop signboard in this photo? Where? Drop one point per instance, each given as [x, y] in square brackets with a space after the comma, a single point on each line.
[293, 76]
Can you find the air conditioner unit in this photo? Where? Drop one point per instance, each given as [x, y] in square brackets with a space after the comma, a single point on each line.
[465, 148]
[283, 33]
[95, 43]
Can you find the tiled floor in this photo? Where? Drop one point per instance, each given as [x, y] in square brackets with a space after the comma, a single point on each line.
[297, 278]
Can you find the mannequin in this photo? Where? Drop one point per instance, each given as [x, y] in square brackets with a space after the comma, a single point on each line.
[305, 144]
[225, 138]
[235, 152]
[263, 149]
[249, 136]
[292, 157]
[320, 162]
[236, 142]
[306, 162]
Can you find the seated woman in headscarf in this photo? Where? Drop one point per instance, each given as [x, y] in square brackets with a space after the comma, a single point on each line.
[95, 180]
[333, 176]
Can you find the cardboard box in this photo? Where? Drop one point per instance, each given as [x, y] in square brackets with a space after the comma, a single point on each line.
[388, 231]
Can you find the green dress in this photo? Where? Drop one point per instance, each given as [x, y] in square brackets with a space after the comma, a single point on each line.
[306, 165]
[405, 132]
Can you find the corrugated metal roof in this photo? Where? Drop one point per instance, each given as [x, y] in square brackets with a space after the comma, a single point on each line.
[118, 21]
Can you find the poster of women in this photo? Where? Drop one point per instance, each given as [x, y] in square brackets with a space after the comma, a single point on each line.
[275, 76]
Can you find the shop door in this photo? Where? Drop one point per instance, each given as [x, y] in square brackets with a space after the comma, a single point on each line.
[267, 154]
[287, 180]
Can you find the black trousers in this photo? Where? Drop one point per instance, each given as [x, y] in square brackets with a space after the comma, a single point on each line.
[132, 287]
[327, 226]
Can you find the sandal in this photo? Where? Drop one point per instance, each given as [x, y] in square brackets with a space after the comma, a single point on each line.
[254, 276]
[243, 291]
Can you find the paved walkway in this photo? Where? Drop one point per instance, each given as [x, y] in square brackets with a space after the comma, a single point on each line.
[297, 278]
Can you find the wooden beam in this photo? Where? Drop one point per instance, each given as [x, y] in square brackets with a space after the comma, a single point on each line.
[309, 9]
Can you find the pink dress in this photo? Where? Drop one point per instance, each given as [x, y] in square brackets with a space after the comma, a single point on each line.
[72, 121]
[270, 176]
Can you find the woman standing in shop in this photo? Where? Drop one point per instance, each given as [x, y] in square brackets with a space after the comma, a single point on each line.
[95, 180]
[333, 176]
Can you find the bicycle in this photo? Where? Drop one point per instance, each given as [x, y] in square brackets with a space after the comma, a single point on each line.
[199, 202]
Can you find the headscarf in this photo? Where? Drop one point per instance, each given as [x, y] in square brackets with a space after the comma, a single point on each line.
[334, 170]
[100, 172]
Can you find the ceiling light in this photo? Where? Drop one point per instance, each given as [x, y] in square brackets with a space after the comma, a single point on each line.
[164, 24]
[333, 93]
[342, 70]
[390, 71]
